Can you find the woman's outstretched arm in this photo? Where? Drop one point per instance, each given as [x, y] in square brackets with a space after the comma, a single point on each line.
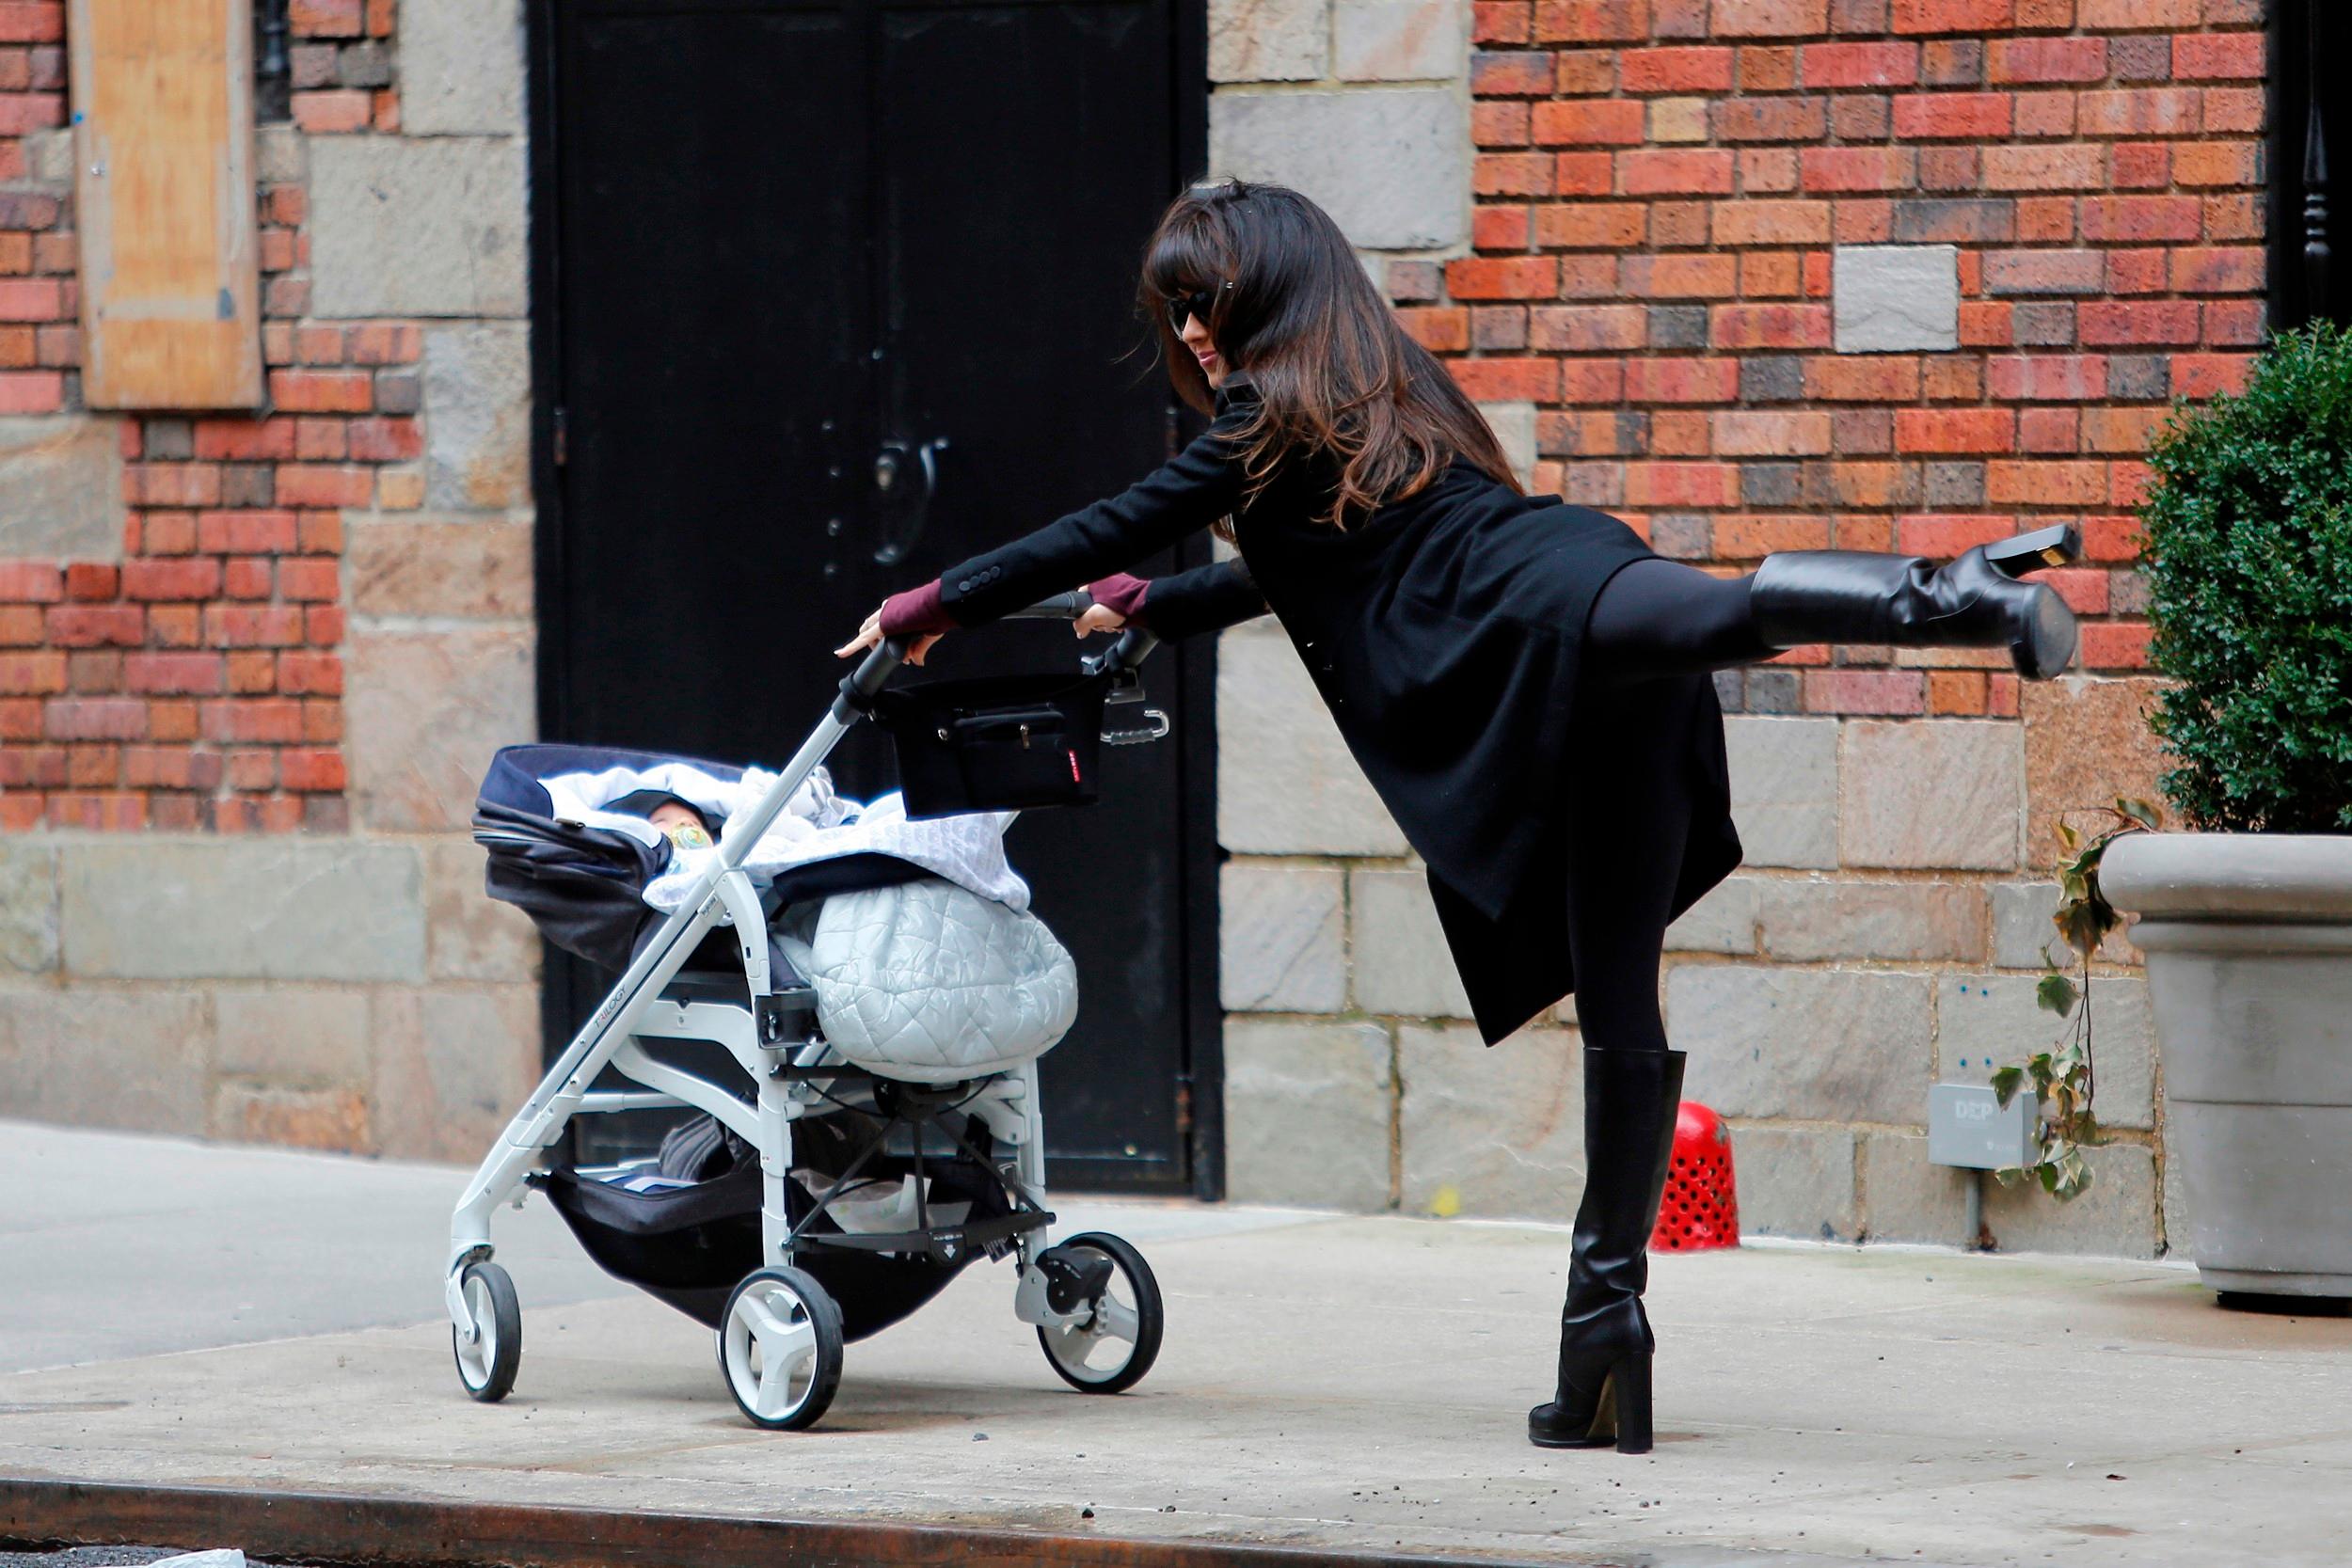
[1189, 491]
[1187, 603]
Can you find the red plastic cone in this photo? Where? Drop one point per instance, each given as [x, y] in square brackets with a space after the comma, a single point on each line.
[1701, 1205]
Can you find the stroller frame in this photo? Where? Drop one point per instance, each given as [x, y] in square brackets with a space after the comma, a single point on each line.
[771, 1033]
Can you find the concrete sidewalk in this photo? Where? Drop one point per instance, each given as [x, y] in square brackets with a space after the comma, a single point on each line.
[268, 1319]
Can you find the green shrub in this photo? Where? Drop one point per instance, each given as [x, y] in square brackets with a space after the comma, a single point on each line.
[2249, 539]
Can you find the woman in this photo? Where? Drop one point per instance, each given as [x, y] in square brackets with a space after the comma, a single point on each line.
[1523, 682]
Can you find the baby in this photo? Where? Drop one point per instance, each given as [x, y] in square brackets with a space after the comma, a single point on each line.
[687, 828]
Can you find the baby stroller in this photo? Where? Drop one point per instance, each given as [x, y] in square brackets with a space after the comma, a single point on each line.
[818, 1199]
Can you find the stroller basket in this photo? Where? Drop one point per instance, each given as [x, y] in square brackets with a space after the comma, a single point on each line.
[1006, 743]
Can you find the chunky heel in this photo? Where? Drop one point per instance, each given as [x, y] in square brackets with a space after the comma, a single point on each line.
[2059, 545]
[1629, 1386]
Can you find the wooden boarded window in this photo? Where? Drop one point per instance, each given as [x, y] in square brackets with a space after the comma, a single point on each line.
[163, 93]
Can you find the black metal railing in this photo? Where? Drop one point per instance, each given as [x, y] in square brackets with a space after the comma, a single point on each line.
[2310, 118]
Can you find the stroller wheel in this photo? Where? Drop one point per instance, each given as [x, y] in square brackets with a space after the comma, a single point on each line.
[1113, 1347]
[486, 1365]
[780, 1349]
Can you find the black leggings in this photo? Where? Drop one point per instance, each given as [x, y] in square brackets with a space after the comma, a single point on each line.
[1653, 620]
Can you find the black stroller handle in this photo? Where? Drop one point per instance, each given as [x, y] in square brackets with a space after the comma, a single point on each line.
[1060, 607]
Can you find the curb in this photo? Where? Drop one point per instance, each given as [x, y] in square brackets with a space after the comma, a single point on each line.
[319, 1527]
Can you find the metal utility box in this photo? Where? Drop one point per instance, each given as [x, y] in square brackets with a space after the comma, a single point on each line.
[1967, 1126]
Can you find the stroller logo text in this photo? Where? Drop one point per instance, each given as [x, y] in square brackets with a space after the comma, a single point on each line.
[1073, 767]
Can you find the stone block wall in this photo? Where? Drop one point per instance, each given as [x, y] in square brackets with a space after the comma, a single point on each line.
[1763, 275]
[279, 644]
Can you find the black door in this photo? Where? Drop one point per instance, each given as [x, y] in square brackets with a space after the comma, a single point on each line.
[831, 295]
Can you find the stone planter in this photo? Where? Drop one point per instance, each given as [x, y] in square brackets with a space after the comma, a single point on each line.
[2248, 939]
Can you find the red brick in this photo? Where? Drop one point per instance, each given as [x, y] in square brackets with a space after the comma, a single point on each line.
[1591, 224]
[323, 624]
[323, 391]
[2140, 112]
[21, 627]
[1580, 174]
[2100, 324]
[320, 674]
[93, 625]
[1945, 535]
[1587, 123]
[2035, 167]
[1952, 16]
[2237, 270]
[31, 299]
[266, 532]
[2140, 165]
[306, 580]
[1653, 71]
[233, 626]
[1751, 538]
[2045, 484]
[2112, 538]
[1655, 171]
[1777, 19]
[1952, 115]
[1756, 119]
[95, 719]
[2234, 110]
[2115, 645]
[1515, 75]
[175, 485]
[32, 21]
[386, 344]
[1870, 691]
[1956, 692]
[2203, 375]
[168, 532]
[1500, 21]
[2049, 431]
[2121, 429]
[1769, 327]
[195, 579]
[1773, 223]
[339, 110]
[2047, 60]
[2208, 164]
[32, 674]
[2239, 323]
[247, 577]
[172, 674]
[310, 770]
[1440, 329]
[328, 19]
[1680, 275]
[317, 484]
[1756, 433]
[321, 440]
[2048, 378]
[1505, 380]
[1682, 380]
[1588, 328]
[2118, 15]
[244, 440]
[264, 719]
[31, 391]
[252, 671]
[31, 582]
[1590, 20]
[1859, 65]
[1860, 169]
[1682, 484]
[1955, 429]
[1495, 123]
[1862, 378]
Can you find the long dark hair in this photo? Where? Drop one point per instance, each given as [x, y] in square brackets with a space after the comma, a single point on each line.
[1335, 372]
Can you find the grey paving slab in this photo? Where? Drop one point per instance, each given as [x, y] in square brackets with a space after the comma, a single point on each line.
[1338, 1382]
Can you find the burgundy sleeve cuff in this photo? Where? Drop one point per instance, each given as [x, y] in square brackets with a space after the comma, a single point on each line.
[916, 612]
[1121, 594]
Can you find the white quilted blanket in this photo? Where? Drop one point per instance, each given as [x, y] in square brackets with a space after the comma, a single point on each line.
[928, 981]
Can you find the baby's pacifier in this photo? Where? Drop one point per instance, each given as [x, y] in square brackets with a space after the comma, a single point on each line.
[688, 835]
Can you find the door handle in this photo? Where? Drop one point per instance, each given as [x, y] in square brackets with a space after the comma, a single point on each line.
[906, 477]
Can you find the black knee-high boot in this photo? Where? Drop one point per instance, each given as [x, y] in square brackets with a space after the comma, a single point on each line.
[1977, 601]
[1605, 1340]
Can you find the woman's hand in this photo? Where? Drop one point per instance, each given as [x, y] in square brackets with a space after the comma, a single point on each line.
[1100, 618]
[871, 635]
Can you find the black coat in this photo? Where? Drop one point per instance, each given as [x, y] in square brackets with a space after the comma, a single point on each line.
[1443, 633]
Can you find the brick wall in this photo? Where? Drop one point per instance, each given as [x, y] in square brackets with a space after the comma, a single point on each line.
[191, 676]
[316, 617]
[1762, 275]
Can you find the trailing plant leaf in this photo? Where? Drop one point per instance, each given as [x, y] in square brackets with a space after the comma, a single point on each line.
[2065, 1078]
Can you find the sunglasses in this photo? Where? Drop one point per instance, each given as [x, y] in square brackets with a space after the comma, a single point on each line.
[1198, 305]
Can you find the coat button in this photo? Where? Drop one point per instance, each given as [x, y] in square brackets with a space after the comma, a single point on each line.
[964, 587]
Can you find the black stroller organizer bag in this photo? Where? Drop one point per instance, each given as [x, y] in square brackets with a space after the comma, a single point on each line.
[1003, 743]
